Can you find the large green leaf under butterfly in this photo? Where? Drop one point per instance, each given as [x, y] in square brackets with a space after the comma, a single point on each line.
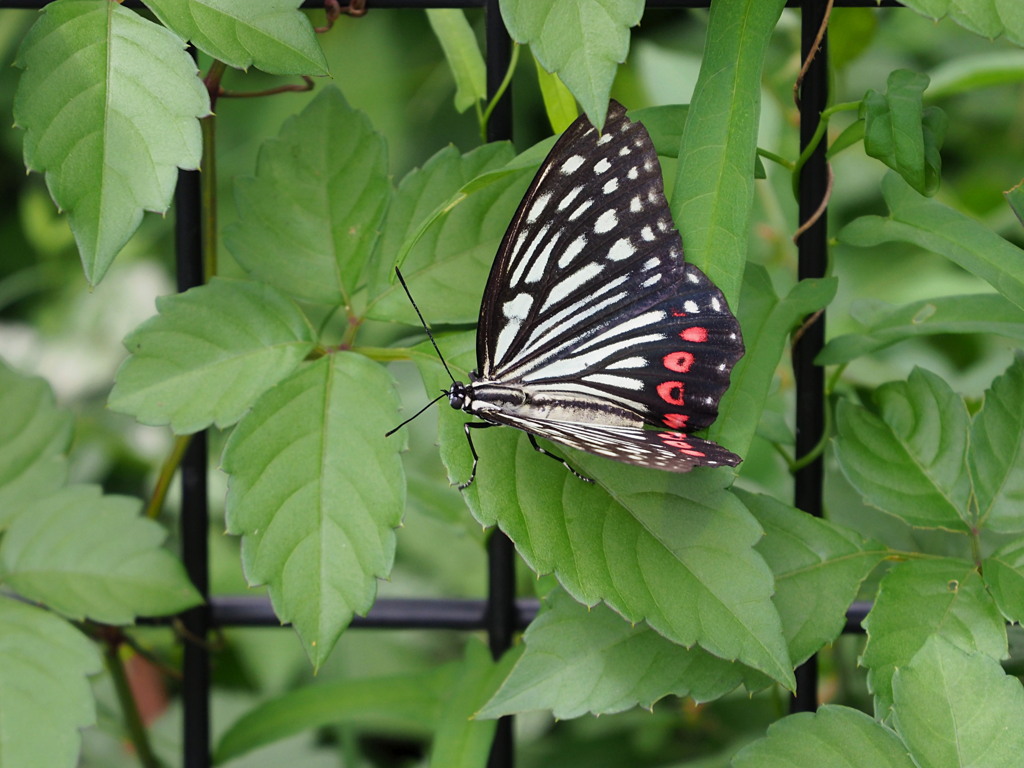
[594, 332]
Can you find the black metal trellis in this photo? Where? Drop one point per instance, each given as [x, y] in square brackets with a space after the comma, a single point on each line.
[501, 614]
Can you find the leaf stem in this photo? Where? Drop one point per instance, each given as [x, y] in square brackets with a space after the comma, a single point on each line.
[819, 132]
[133, 721]
[500, 92]
[163, 480]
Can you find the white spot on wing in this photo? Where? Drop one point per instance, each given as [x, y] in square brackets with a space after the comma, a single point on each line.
[606, 222]
[690, 307]
[540, 263]
[610, 186]
[629, 362]
[572, 251]
[647, 234]
[635, 206]
[571, 282]
[651, 281]
[580, 210]
[605, 138]
[517, 308]
[622, 382]
[622, 249]
[538, 207]
[566, 201]
[716, 304]
[633, 173]
[651, 263]
[571, 165]
[602, 166]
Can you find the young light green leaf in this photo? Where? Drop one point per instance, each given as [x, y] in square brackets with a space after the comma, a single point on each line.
[45, 697]
[910, 460]
[838, 737]
[559, 103]
[579, 660]
[582, 43]
[818, 566]
[272, 35]
[457, 250]
[920, 599]
[963, 74]
[408, 703]
[315, 490]
[957, 708]
[900, 132]
[997, 452]
[886, 325]
[674, 551]
[940, 229]
[714, 187]
[33, 438]
[209, 354]
[988, 19]
[461, 738]
[463, 54]
[1003, 572]
[114, 149]
[767, 322]
[309, 218]
[92, 556]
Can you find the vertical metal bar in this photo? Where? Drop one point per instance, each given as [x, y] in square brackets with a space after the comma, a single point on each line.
[501, 590]
[810, 379]
[194, 503]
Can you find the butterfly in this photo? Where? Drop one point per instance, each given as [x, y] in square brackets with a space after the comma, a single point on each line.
[594, 331]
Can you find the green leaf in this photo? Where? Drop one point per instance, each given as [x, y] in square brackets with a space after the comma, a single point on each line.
[1015, 199]
[990, 18]
[316, 491]
[674, 551]
[581, 42]
[910, 460]
[44, 695]
[463, 54]
[407, 703]
[34, 435]
[818, 566]
[664, 124]
[957, 708]
[714, 187]
[454, 253]
[309, 218]
[767, 322]
[559, 103]
[837, 737]
[87, 555]
[579, 660]
[900, 132]
[1003, 572]
[272, 35]
[461, 738]
[209, 354]
[940, 229]
[997, 452]
[920, 599]
[966, 74]
[109, 102]
[885, 325]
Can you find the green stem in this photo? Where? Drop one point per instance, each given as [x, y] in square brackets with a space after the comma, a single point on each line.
[500, 92]
[208, 177]
[779, 159]
[133, 721]
[163, 480]
[819, 132]
[819, 448]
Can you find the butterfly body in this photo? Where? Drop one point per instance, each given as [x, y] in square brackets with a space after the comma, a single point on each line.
[594, 331]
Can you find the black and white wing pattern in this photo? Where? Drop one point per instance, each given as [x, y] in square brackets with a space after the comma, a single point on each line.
[594, 332]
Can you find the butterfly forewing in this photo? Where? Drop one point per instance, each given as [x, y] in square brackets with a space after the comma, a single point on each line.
[593, 315]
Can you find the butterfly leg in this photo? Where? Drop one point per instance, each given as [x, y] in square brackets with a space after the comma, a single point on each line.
[465, 428]
[559, 459]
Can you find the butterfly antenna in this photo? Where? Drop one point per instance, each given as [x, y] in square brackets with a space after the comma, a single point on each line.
[421, 410]
[429, 334]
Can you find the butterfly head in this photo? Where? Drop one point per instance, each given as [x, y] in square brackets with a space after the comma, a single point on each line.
[458, 395]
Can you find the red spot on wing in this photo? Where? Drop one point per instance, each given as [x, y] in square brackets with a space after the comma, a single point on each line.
[675, 420]
[678, 314]
[695, 333]
[678, 361]
[671, 392]
[677, 440]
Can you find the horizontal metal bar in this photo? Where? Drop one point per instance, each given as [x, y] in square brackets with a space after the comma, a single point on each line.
[383, 4]
[412, 613]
